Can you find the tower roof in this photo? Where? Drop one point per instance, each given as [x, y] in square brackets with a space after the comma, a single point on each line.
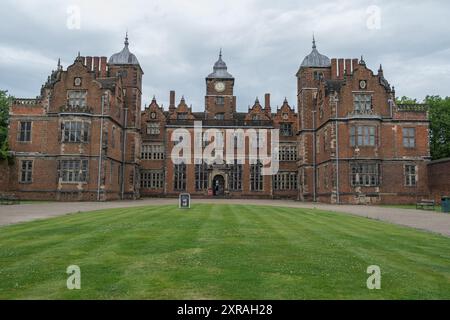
[124, 56]
[315, 59]
[220, 69]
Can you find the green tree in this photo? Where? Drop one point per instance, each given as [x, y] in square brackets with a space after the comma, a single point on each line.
[439, 126]
[5, 100]
[406, 100]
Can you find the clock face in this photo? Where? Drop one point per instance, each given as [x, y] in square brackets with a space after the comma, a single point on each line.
[363, 84]
[153, 115]
[77, 82]
[219, 86]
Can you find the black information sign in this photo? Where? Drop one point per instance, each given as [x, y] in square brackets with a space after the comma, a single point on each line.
[185, 201]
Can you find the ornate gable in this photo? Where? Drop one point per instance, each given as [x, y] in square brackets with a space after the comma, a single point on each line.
[182, 112]
[257, 113]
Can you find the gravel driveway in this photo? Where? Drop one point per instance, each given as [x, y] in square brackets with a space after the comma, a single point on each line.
[430, 221]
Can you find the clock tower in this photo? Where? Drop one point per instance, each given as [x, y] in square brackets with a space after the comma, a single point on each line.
[220, 103]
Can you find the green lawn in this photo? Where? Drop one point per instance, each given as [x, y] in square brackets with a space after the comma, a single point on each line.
[220, 252]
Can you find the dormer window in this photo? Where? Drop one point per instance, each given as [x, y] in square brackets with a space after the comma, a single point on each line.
[255, 117]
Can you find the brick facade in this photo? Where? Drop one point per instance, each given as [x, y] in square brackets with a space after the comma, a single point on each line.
[87, 138]
[352, 137]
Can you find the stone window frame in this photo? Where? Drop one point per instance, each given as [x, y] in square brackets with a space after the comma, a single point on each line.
[288, 152]
[317, 75]
[362, 104]
[26, 173]
[153, 151]
[179, 177]
[70, 134]
[365, 174]
[286, 129]
[236, 172]
[73, 170]
[256, 177]
[152, 179]
[24, 135]
[285, 181]
[201, 176]
[72, 99]
[153, 128]
[410, 177]
[408, 139]
[363, 136]
[220, 101]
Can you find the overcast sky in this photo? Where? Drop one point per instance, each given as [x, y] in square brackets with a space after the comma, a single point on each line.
[263, 41]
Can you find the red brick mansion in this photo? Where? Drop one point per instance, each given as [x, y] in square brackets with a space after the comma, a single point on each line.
[86, 137]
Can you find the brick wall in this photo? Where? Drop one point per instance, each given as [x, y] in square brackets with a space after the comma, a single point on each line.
[439, 178]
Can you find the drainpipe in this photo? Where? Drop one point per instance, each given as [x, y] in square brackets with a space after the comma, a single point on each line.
[337, 154]
[314, 156]
[100, 151]
[122, 187]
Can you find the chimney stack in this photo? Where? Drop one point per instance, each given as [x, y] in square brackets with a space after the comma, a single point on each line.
[103, 67]
[89, 63]
[341, 68]
[267, 107]
[96, 65]
[355, 64]
[333, 68]
[172, 101]
[348, 67]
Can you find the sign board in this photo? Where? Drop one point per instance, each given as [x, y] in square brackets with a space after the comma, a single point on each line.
[210, 192]
[185, 201]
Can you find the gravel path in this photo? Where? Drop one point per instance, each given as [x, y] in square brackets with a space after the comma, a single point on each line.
[423, 220]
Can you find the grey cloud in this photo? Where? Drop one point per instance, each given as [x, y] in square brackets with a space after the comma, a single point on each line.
[264, 42]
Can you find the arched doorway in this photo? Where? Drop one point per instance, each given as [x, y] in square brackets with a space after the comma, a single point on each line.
[218, 185]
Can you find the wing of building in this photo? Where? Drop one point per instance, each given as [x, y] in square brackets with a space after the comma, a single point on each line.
[86, 138]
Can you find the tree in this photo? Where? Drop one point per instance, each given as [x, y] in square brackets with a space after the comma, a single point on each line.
[439, 126]
[5, 100]
[406, 100]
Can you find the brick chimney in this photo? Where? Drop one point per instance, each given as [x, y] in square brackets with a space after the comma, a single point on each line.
[333, 68]
[341, 69]
[172, 101]
[267, 107]
[89, 63]
[103, 67]
[96, 65]
[355, 64]
[348, 67]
